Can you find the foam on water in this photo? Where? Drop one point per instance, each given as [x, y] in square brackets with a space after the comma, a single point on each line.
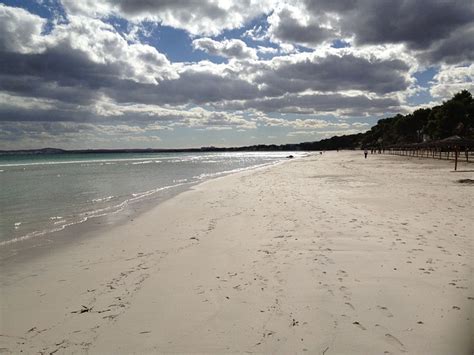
[108, 198]
[85, 162]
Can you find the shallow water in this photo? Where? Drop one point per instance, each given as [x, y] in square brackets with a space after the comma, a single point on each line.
[45, 193]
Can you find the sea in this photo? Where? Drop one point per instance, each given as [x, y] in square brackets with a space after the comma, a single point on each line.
[44, 194]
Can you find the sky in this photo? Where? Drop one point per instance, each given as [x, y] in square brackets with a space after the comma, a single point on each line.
[78, 74]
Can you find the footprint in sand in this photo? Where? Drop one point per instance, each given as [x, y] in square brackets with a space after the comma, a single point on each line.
[350, 305]
[395, 341]
[358, 325]
[345, 290]
[385, 311]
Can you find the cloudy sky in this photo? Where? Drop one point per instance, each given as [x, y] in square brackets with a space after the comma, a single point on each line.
[190, 73]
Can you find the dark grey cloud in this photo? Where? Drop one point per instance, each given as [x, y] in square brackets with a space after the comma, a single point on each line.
[332, 6]
[418, 23]
[56, 114]
[335, 73]
[289, 29]
[434, 29]
[60, 74]
[13, 130]
[457, 48]
[190, 87]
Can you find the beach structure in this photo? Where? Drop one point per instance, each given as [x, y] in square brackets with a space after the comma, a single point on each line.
[452, 148]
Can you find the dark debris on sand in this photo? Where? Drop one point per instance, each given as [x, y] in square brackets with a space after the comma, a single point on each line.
[466, 181]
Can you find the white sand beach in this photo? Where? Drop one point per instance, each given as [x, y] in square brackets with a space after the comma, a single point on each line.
[327, 254]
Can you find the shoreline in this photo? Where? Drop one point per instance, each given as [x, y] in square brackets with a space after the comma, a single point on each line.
[30, 246]
[325, 253]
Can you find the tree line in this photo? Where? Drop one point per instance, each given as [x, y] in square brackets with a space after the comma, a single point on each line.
[452, 117]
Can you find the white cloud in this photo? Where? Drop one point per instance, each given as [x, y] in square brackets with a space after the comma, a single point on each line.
[207, 17]
[101, 43]
[257, 33]
[267, 50]
[20, 31]
[229, 48]
[452, 79]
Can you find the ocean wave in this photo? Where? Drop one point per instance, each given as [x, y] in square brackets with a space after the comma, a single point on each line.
[232, 171]
[146, 162]
[103, 199]
[86, 215]
[85, 162]
[180, 180]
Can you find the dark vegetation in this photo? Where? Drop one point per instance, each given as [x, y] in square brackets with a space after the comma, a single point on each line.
[453, 117]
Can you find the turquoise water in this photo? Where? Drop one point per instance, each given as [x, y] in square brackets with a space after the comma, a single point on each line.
[46, 193]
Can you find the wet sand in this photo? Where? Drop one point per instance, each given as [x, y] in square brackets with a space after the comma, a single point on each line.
[326, 254]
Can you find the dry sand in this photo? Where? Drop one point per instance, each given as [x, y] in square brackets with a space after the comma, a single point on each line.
[327, 254]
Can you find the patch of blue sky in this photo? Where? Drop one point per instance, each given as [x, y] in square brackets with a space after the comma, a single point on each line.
[420, 98]
[120, 25]
[175, 43]
[370, 120]
[424, 80]
[339, 43]
[425, 77]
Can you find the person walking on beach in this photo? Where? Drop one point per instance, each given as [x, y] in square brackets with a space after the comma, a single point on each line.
[365, 153]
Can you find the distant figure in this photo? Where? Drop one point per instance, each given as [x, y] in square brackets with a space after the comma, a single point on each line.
[365, 153]
[320, 153]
